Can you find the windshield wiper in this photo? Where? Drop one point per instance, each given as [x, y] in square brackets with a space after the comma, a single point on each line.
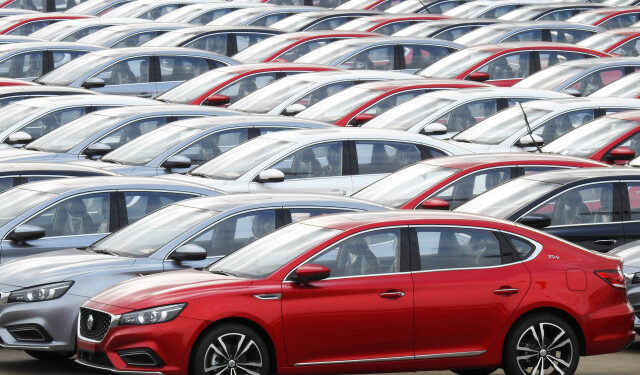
[200, 175]
[111, 161]
[32, 148]
[463, 140]
[101, 251]
[224, 273]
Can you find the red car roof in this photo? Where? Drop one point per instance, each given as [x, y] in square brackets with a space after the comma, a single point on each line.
[507, 158]
[305, 35]
[270, 66]
[421, 83]
[522, 46]
[383, 19]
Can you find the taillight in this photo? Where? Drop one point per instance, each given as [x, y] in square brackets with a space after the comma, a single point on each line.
[615, 278]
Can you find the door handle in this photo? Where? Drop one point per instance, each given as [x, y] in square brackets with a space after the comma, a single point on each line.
[506, 291]
[605, 242]
[392, 294]
[338, 191]
[144, 95]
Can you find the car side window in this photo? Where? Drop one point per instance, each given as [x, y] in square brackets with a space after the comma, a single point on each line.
[392, 28]
[303, 48]
[370, 253]
[525, 36]
[418, 56]
[632, 142]
[74, 36]
[207, 17]
[141, 203]
[216, 43]
[53, 120]
[232, 233]
[620, 21]
[522, 247]
[630, 48]
[385, 157]
[558, 15]
[596, 80]
[511, 66]
[498, 11]
[6, 183]
[62, 57]
[562, 124]
[213, 145]
[377, 58]
[321, 160]
[244, 40]
[633, 190]
[81, 215]
[571, 36]
[453, 33]
[24, 65]
[181, 68]
[37, 5]
[132, 130]
[158, 12]
[324, 92]
[297, 214]
[137, 40]
[247, 85]
[440, 8]
[472, 185]
[135, 70]
[328, 24]
[30, 27]
[456, 248]
[468, 114]
[581, 205]
[550, 58]
[269, 20]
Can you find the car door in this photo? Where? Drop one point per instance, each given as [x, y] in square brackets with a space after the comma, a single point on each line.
[77, 221]
[174, 70]
[588, 215]
[27, 66]
[362, 312]
[467, 283]
[418, 57]
[132, 76]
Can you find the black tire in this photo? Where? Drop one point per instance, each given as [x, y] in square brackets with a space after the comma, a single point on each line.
[50, 356]
[560, 346]
[484, 371]
[253, 351]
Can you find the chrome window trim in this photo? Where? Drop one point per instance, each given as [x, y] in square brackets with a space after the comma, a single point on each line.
[115, 319]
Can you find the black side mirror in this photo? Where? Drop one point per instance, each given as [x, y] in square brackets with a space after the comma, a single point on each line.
[26, 232]
[189, 252]
[96, 150]
[93, 83]
[536, 221]
[177, 162]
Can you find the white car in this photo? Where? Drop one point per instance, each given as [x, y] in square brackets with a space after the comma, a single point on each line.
[334, 161]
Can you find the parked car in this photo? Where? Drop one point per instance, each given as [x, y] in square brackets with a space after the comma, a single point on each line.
[200, 232]
[101, 132]
[446, 29]
[304, 271]
[229, 84]
[291, 46]
[408, 54]
[223, 40]
[630, 255]
[532, 31]
[183, 145]
[489, 8]
[608, 17]
[292, 95]
[446, 183]
[425, 6]
[262, 16]
[150, 9]
[12, 94]
[364, 102]
[505, 64]
[25, 24]
[322, 20]
[316, 160]
[132, 35]
[581, 77]
[144, 72]
[445, 113]
[548, 120]
[72, 30]
[551, 11]
[624, 87]
[617, 42]
[96, 7]
[203, 13]
[40, 5]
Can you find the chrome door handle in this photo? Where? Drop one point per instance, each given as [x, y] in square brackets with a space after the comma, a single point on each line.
[396, 294]
[605, 242]
[506, 291]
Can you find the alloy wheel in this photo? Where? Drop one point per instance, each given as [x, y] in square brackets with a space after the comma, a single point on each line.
[544, 349]
[233, 354]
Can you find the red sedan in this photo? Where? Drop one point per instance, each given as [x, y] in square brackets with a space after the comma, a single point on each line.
[448, 182]
[361, 103]
[617, 42]
[226, 85]
[608, 17]
[25, 24]
[388, 24]
[505, 64]
[369, 292]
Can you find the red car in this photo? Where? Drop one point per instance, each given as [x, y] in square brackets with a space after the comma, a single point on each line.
[291, 46]
[448, 182]
[15, 82]
[369, 292]
[388, 24]
[25, 24]
[505, 64]
[617, 42]
[614, 139]
[361, 103]
[608, 17]
[625, 87]
[226, 85]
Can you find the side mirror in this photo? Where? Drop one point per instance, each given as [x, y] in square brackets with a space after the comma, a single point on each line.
[294, 109]
[97, 149]
[536, 221]
[177, 162]
[572, 92]
[26, 233]
[619, 155]
[217, 99]
[93, 83]
[434, 129]
[530, 141]
[19, 138]
[270, 175]
[479, 76]
[280, 59]
[435, 204]
[189, 252]
[312, 272]
[361, 118]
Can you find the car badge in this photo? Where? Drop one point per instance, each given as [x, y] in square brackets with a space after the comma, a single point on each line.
[90, 322]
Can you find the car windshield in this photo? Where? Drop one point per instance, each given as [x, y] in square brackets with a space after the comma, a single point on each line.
[586, 18]
[335, 107]
[601, 41]
[359, 24]
[497, 128]
[408, 114]
[625, 87]
[100, 37]
[145, 236]
[262, 50]
[28, 199]
[129, 10]
[71, 134]
[71, 71]
[407, 6]
[14, 113]
[294, 22]
[503, 200]
[236, 162]
[466, 10]
[424, 29]
[404, 185]
[196, 87]
[455, 64]
[52, 31]
[270, 96]
[591, 137]
[550, 78]
[144, 149]
[328, 54]
[483, 35]
[238, 17]
[170, 39]
[268, 254]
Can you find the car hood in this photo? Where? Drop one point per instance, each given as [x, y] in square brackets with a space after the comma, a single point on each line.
[166, 288]
[217, 184]
[20, 154]
[56, 266]
[475, 147]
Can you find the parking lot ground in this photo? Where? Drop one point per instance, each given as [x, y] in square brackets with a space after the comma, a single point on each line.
[624, 363]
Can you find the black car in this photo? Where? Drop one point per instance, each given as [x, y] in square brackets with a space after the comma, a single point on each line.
[597, 208]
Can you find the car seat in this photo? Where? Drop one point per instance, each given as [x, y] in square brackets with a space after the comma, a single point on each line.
[355, 258]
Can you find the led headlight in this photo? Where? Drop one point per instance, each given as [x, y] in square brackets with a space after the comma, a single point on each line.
[40, 293]
[153, 315]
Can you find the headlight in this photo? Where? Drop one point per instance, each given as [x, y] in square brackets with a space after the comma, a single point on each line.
[40, 293]
[153, 315]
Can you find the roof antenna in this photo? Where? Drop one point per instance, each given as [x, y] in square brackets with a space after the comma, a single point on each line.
[526, 120]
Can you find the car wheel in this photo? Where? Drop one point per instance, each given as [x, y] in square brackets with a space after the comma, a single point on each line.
[541, 344]
[475, 371]
[230, 349]
[50, 356]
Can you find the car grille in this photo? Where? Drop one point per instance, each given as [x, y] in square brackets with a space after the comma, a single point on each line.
[98, 358]
[99, 327]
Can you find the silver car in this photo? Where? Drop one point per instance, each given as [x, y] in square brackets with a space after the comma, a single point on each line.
[630, 253]
[191, 233]
[335, 161]
[141, 71]
[132, 35]
[72, 30]
[101, 132]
